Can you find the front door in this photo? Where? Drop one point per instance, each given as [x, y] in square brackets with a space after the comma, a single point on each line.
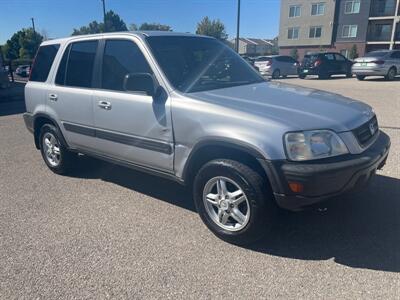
[131, 126]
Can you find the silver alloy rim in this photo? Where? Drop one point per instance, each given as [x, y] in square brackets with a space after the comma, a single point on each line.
[51, 148]
[226, 203]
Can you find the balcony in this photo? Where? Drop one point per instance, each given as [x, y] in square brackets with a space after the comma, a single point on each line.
[380, 31]
[383, 8]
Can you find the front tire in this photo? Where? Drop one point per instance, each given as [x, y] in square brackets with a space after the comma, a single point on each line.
[276, 74]
[54, 153]
[391, 74]
[233, 201]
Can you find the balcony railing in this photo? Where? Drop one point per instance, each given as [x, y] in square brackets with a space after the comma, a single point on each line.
[383, 8]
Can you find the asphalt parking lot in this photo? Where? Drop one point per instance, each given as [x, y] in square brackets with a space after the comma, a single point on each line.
[109, 232]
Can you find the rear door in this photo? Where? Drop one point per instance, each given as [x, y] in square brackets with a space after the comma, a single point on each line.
[133, 127]
[342, 64]
[330, 66]
[70, 98]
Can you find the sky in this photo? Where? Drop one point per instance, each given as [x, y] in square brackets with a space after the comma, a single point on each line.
[259, 18]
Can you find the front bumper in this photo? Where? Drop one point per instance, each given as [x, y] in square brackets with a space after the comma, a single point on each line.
[325, 178]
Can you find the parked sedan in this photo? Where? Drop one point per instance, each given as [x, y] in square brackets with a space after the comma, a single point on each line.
[325, 65]
[378, 63]
[23, 71]
[277, 65]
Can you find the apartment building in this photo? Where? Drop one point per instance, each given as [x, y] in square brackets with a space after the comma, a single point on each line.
[253, 46]
[329, 25]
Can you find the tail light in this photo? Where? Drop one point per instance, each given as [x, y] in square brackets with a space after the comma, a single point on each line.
[317, 63]
[378, 62]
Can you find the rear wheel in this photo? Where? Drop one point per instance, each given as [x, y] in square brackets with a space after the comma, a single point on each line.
[391, 74]
[360, 77]
[233, 201]
[54, 153]
[302, 76]
[349, 74]
[276, 74]
[324, 75]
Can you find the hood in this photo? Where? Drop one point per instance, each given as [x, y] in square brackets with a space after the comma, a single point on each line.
[292, 106]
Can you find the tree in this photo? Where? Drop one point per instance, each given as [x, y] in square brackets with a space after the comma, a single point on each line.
[92, 28]
[214, 28]
[294, 53]
[353, 52]
[23, 44]
[113, 23]
[133, 27]
[155, 27]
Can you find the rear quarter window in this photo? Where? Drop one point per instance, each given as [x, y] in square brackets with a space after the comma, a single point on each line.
[43, 61]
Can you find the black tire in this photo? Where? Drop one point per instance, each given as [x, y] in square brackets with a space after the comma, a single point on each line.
[284, 76]
[262, 207]
[360, 77]
[349, 75]
[66, 158]
[276, 74]
[302, 76]
[391, 74]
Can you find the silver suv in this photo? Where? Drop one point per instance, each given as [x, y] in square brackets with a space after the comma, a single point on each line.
[277, 66]
[189, 108]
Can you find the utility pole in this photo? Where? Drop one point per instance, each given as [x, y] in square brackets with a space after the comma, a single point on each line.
[33, 24]
[104, 14]
[237, 28]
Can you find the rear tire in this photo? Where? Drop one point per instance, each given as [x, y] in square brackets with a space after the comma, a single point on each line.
[324, 75]
[302, 76]
[54, 153]
[391, 74]
[276, 74]
[349, 75]
[360, 77]
[214, 187]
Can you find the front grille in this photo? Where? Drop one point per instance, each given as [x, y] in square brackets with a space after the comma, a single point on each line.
[367, 131]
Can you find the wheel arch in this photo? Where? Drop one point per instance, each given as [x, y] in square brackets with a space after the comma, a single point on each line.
[210, 149]
[38, 121]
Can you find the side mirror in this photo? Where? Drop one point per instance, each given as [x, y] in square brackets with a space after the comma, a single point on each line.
[140, 82]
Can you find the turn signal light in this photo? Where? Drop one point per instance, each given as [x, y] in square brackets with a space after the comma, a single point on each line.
[296, 187]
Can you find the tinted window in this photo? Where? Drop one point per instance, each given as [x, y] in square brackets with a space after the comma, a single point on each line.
[263, 58]
[395, 54]
[329, 56]
[195, 64]
[121, 57]
[376, 54]
[80, 64]
[43, 61]
[60, 77]
[339, 57]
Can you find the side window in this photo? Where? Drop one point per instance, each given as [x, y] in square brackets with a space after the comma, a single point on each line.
[43, 62]
[339, 57]
[121, 57]
[329, 56]
[80, 64]
[395, 54]
[62, 68]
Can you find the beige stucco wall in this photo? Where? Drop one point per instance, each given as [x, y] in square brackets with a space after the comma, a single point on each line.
[305, 21]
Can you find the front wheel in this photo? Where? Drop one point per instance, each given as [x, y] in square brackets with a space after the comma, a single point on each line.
[276, 74]
[302, 76]
[233, 201]
[391, 74]
[360, 77]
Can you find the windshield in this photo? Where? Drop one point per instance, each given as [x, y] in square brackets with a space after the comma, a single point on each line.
[376, 54]
[194, 64]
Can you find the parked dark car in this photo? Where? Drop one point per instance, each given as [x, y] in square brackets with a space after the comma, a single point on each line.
[23, 71]
[325, 65]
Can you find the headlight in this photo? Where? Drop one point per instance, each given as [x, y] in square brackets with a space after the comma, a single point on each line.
[315, 144]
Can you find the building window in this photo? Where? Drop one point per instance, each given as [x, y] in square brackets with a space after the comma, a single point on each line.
[315, 32]
[352, 7]
[349, 31]
[318, 9]
[293, 33]
[294, 11]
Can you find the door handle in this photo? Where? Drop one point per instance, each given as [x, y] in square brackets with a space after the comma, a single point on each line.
[53, 97]
[104, 105]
